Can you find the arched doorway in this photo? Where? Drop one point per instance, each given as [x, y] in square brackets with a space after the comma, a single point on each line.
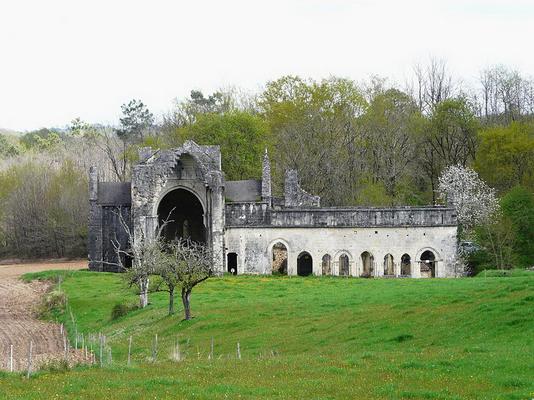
[183, 215]
[279, 259]
[231, 261]
[428, 264]
[367, 264]
[343, 265]
[304, 264]
[389, 266]
[327, 264]
[406, 265]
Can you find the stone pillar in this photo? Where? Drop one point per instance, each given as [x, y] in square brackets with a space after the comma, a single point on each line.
[94, 234]
[151, 226]
[266, 190]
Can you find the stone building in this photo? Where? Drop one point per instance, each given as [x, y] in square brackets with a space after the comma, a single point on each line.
[252, 232]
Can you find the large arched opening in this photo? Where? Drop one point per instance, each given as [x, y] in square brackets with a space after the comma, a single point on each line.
[182, 215]
[428, 264]
[304, 264]
[279, 259]
[367, 264]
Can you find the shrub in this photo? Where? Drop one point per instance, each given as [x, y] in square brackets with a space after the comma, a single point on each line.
[54, 302]
[56, 366]
[120, 310]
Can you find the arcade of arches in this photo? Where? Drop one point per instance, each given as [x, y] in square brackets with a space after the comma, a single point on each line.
[279, 258]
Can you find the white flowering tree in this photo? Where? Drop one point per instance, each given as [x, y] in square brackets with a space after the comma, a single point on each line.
[478, 213]
[475, 202]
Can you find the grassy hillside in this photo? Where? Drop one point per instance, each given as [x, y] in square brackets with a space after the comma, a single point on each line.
[320, 338]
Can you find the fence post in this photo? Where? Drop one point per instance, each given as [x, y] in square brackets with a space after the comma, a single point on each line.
[11, 358]
[30, 359]
[129, 350]
[238, 351]
[211, 349]
[155, 348]
[101, 349]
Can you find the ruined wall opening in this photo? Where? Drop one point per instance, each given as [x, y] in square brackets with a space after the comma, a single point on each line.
[367, 264]
[406, 265]
[344, 265]
[389, 266]
[304, 264]
[279, 259]
[231, 261]
[428, 265]
[184, 215]
[327, 265]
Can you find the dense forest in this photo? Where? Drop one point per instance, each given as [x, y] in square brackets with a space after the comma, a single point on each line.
[354, 143]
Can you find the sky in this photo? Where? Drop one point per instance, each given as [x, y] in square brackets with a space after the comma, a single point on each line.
[62, 59]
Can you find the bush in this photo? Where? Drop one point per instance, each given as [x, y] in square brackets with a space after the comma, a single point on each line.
[120, 310]
[53, 304]
[55, 366]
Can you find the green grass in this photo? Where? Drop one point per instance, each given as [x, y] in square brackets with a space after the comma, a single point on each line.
[319, 338]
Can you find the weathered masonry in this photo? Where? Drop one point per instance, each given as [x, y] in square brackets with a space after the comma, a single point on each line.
[252, 232]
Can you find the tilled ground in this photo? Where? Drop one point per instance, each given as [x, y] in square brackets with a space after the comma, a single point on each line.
[19, 324]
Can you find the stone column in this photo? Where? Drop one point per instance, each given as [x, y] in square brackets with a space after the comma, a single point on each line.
[94, 234]
[266, 190]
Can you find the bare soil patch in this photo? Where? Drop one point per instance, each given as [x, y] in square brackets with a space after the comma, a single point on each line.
[18, 320]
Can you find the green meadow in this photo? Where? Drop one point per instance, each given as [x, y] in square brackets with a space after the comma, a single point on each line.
[301, 338]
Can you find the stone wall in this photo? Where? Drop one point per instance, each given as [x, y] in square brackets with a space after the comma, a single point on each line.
[254, 247]
[260, 215]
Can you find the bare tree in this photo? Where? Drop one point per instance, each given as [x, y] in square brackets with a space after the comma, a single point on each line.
[506, 95]
[179, 263]
[186, 264]
[146, 254]
[115, 149]
[433, 84]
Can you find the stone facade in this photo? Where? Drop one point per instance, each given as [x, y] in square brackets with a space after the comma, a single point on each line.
[243, 221]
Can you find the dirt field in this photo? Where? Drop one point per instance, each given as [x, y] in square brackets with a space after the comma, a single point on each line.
[18, 322]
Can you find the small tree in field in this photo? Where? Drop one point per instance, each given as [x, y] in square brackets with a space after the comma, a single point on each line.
[186, 264]
[146, 255]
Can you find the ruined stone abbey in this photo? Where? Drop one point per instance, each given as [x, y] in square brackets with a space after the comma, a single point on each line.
[253, 232]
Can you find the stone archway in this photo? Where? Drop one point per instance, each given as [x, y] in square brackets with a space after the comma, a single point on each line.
[344, 265]
[304, 264]
[183, 215]
[368, 262]
[389, 265]
[428, 264]
[406, 265]
[231, 263]
[326, 265]
[279, 259]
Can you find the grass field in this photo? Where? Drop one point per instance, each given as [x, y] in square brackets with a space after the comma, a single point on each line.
[317, 338]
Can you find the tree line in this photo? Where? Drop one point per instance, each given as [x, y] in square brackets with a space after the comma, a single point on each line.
[371, 143]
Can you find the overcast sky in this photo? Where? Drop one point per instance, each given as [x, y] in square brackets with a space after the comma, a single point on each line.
[62, 59]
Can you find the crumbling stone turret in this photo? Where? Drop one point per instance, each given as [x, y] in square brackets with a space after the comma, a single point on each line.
[294, 195]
